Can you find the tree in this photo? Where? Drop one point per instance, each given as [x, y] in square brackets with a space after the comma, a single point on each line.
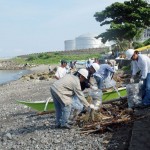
[127, 20]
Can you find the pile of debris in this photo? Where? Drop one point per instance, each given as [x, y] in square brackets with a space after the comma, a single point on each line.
[40, 76]
[108, 117]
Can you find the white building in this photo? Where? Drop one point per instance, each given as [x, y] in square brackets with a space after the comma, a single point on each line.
[145, 35]
[84, 41]
[70, 45]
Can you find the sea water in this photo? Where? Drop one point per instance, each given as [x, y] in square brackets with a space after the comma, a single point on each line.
[10, 75]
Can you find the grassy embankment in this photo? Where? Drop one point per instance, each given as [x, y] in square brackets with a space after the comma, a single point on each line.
[52, 58]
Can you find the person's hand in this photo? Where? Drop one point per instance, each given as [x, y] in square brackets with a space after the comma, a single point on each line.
[141, 81]
[94, 88]
[92, 107]
[131, 80]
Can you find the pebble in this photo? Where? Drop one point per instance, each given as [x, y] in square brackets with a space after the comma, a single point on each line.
[9, 136]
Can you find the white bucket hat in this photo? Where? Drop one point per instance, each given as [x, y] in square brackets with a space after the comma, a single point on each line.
[129, 53]
[96, 66]
[84, 73]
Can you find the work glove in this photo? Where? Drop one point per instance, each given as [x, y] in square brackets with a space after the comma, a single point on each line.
[141, 81]
[92, 107]
[131, 80]
[94, 88]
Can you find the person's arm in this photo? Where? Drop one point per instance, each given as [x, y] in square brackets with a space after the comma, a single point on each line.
[80, 95]
[144, 69]
[57, 76]
[110, 69]
[135, 68]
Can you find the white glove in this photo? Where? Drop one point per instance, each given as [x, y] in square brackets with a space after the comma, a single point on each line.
[94, 88]
[141, 82]
[92, 107]
[131, 80]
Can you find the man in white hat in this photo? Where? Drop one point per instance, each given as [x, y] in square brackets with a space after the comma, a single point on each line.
[62, 92]
[141, 63]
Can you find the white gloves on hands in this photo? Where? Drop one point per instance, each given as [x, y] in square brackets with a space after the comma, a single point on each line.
[94, 88]
[93, 107]
[131, 80]
[141, 82]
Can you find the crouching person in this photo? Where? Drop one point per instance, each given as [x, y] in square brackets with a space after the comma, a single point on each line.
[62, 92]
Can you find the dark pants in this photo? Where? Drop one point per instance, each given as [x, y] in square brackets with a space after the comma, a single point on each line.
[146, 90]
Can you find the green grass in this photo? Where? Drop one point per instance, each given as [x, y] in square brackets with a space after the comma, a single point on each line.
[52, 58]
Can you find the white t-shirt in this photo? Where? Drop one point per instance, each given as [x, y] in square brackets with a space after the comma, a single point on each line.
[61, 72]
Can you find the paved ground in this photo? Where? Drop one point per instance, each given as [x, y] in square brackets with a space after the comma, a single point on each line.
[140, 138]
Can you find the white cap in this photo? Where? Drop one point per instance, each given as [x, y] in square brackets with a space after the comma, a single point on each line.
[84, 73]
[95, 66]
[129, 53]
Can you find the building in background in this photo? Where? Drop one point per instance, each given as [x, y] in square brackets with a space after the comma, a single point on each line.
[70, 45]
[145, 35]
[84, 41]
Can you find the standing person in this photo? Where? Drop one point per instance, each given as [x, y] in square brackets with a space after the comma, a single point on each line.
[62, 92]
[141, 63]
[76, 104]
[61, 71]
[96, 60]
[102, 74]
[88, 64]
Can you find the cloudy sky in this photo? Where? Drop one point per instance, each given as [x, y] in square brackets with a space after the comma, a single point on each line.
[30, 26]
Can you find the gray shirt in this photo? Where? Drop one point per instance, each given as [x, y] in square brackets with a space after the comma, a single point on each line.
[67, 87]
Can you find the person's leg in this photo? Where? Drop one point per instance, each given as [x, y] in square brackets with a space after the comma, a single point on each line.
[99, 82]
[58, 108]
[146, 99]
[65, 115]
[143, 88]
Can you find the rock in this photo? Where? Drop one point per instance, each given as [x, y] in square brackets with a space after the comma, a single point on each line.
[9, 136]
[32, 76]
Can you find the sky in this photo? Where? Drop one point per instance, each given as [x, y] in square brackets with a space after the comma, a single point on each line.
[33, 26]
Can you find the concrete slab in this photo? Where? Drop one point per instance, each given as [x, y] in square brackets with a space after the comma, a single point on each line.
[140, 139]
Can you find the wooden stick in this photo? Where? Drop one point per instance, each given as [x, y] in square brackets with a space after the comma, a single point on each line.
[45, 112]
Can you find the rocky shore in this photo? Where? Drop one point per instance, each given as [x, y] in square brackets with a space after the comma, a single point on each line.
[22, 129]
[11, 65]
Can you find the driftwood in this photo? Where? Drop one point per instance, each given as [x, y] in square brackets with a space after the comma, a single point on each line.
[105, 126]
[45, 112]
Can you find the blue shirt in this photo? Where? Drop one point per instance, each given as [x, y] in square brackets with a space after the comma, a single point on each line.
[104, 71]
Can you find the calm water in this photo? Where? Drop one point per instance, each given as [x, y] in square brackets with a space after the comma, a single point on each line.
[10, 75]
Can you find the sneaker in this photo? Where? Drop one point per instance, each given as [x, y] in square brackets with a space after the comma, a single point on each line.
[58, 126]
[71, 123]
[66, 127]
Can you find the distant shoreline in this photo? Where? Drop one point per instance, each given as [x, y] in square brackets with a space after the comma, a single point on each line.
[36, 69]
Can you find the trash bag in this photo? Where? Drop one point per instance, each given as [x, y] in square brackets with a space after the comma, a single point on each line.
[134, 94]
[109, 82]
[96, 97]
